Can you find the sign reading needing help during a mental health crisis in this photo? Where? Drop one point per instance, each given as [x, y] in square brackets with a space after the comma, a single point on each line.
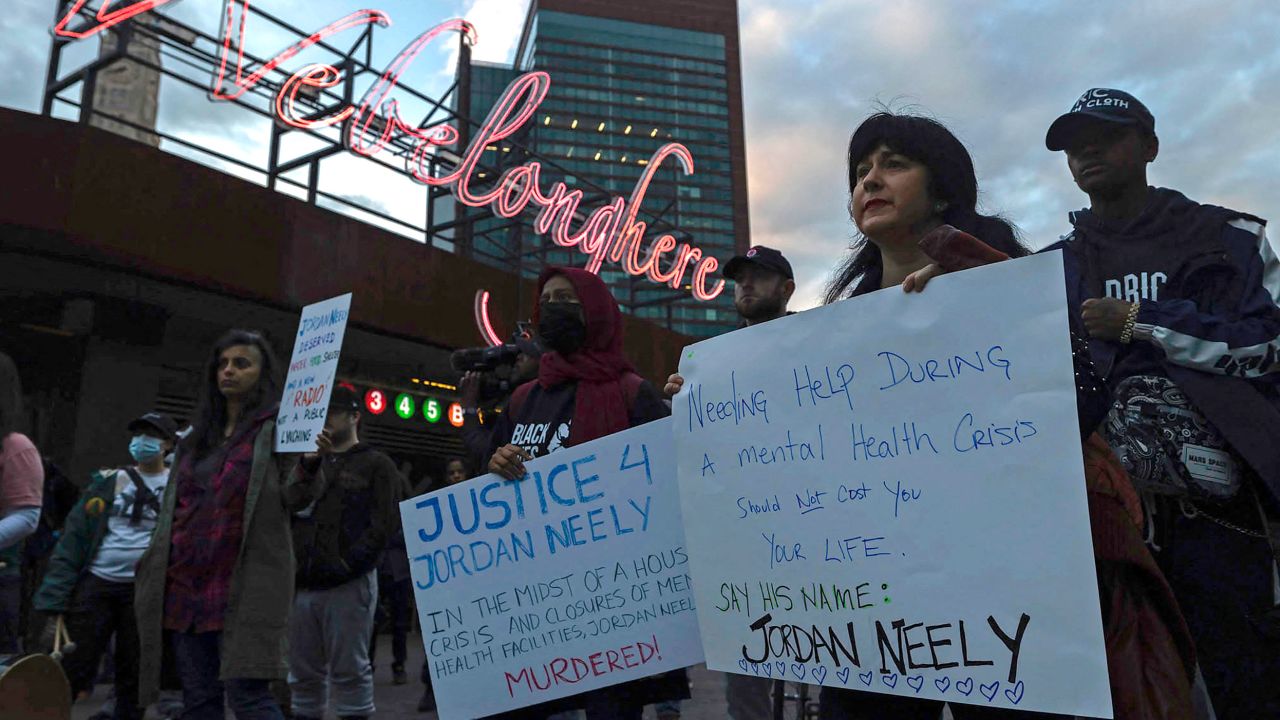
[312, 370]
[890, 496]
[573, 578]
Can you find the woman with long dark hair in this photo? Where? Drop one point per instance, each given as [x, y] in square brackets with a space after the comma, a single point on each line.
[907, 176]
[21, 495]
[217, 581]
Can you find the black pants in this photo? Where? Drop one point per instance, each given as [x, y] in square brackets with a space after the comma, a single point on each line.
[99, 609]
[395, 609]
[1222, 580]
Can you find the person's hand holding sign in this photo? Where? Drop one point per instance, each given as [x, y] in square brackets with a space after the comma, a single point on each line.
[916, 281]
[508, 461]
[674, 383]
[324, 446]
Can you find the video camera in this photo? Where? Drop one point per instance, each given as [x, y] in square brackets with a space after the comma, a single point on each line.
[489, 359]
[497, 365]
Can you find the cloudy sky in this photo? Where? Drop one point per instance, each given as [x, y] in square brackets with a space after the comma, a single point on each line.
[997, 72]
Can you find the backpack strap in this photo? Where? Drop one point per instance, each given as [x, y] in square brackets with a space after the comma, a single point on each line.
[144, 497]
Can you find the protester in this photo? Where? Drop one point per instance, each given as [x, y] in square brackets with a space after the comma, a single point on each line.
[90, 581]
[214, 581]
[344, 496]
[586, 389]
[763, 284]
[21, 495]
[455, 471]
[908, 176]
[1149, 649]
[1180, 300]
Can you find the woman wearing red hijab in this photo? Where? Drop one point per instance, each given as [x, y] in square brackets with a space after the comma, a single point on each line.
[586, 389]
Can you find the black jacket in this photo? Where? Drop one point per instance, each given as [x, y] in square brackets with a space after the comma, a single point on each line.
[347, 518]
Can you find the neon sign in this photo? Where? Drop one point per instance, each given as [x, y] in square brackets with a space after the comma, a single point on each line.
[431, 410]
[405, 406]
[609, 233]
[482, 319]
[375, 402]
[456, 416]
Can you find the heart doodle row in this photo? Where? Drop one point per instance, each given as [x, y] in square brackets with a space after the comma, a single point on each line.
[818, 675]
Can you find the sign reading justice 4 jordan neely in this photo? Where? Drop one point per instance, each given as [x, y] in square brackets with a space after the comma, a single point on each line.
[890, 498]
[572, 578]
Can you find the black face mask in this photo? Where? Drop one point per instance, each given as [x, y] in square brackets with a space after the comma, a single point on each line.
[561, 327]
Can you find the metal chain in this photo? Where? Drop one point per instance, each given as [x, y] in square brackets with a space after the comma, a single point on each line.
[1197, 511]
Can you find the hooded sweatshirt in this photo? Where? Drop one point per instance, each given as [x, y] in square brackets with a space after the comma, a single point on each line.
[343, 532]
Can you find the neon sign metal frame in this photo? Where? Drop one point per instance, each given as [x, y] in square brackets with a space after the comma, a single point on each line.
[610, 233]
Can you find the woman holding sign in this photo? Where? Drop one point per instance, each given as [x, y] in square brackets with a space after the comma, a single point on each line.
[908, 175]
[210, 584]
[913, 198]
[586, 389]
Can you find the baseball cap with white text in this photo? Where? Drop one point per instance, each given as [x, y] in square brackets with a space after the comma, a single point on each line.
[1105, 104]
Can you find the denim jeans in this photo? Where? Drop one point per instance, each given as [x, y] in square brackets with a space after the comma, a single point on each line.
[198, 656]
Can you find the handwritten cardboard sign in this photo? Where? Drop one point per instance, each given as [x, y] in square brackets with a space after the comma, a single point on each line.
[890, 496]
[573, 578]
[316, 348]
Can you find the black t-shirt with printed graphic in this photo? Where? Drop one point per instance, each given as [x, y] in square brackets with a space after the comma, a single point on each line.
[546, 417]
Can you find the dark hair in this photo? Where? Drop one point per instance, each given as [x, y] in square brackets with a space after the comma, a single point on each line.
[10, 397]
[952, 180]
[211, 411]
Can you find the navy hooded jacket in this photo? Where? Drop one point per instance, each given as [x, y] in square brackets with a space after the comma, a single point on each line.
[1216, 324]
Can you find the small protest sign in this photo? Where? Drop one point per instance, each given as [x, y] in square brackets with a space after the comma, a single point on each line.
[316, 348]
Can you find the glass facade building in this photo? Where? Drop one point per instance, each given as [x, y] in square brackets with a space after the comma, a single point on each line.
[620, 89]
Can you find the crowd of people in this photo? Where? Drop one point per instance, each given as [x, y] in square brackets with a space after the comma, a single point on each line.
[1174, 313]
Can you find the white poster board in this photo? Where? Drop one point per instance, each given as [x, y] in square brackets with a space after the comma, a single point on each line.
[571, 579]
[890, 496]
[312, 369]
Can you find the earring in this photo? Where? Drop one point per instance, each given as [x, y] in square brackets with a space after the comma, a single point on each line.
[939, 206]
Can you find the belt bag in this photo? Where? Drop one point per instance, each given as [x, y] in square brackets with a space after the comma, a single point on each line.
[1167, 445]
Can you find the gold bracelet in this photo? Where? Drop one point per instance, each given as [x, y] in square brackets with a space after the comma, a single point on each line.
[1130, 321]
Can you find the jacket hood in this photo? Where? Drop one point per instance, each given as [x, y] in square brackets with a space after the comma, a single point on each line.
[1166, 211]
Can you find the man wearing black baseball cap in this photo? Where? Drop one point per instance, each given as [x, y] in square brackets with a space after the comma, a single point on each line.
[763, 284]
[1180, 302]
[89, 583]
[347, 491]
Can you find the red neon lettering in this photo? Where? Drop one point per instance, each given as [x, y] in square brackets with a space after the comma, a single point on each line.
[377, 94]
[316, 76]
[609, 232]
[106, 20]
[700, 292]
[482, 319]
[243, 84]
